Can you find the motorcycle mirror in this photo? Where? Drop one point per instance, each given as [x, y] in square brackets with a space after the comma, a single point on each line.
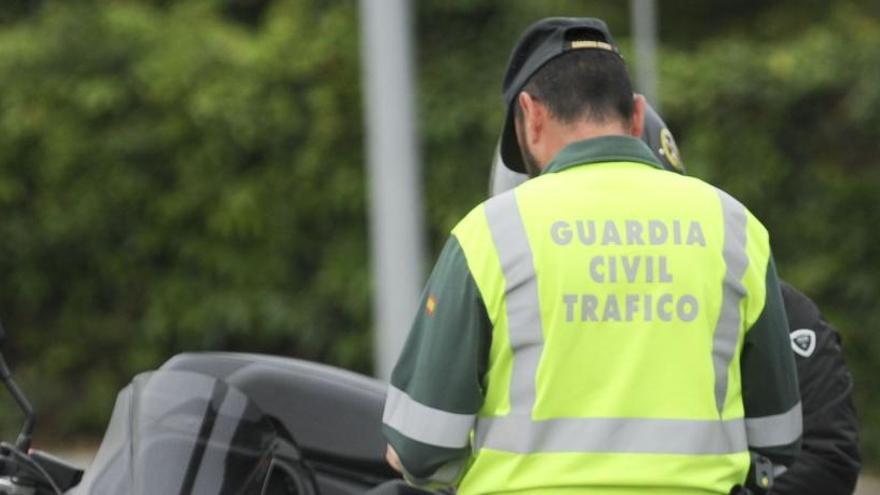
[23, 442]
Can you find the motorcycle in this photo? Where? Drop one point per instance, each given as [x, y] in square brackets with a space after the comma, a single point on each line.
[242, 424]
[221, 424]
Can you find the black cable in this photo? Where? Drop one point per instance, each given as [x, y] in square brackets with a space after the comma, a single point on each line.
[39, 469]
[23, 442]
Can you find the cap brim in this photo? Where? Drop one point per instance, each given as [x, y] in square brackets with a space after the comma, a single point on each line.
[511, 155]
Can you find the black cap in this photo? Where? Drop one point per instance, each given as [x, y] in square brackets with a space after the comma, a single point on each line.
[542, 42]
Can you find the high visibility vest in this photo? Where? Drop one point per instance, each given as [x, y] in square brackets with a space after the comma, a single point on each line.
[619, 296]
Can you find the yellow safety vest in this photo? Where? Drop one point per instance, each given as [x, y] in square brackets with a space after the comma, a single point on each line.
[619, 296]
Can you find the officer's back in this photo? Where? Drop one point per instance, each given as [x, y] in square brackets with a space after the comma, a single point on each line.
[636, 339]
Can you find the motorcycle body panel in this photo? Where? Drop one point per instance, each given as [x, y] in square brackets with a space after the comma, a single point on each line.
[159, 439]
[182, 433]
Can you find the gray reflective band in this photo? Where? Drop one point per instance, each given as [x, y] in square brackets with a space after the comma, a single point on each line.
[736, 260]
[521, 298]
[777, 430]
[424, 423]
[521, 434]
[447, 474]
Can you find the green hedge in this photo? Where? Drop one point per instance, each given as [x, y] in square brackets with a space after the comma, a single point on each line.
[170, 180]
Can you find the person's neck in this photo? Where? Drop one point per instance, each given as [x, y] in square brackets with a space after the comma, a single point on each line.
[563, 135]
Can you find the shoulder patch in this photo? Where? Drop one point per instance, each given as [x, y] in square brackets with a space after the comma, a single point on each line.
[803, 342]
[669, 149]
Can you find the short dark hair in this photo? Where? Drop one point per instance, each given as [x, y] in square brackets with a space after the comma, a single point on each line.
[584, 84]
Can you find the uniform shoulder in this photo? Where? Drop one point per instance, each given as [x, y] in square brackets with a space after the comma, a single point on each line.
[474, 219]
[502, 201]
[732, 203]
[727, 197]
[801, 310]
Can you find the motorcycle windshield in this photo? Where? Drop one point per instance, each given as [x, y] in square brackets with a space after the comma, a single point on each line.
[181, 433]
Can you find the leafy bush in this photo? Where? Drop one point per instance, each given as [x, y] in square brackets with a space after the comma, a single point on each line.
[171, 181]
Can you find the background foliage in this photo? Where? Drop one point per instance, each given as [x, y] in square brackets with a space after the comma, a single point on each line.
[189, 175]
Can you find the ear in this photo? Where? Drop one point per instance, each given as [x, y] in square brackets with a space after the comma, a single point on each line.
[638, 118]
[534, 116]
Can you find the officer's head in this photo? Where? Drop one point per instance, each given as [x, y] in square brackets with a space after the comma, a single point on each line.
[565, 81]
[655, 134]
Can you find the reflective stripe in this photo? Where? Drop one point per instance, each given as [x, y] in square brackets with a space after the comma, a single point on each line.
[520, 434]
[736, 260]
[447, 474]
[424, 423]
[521, 298]
[776, 430]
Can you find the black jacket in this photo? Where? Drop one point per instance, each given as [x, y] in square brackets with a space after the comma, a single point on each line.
[829, 462]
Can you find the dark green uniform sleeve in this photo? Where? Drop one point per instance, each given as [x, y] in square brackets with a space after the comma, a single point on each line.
[436, 387]
[769, 381]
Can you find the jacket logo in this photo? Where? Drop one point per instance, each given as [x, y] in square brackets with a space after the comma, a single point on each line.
[669, 149]
[803, 342]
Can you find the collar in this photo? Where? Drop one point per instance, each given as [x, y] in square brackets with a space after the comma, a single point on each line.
[603, 149]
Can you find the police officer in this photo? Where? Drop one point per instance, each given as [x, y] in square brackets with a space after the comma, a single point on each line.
[607, 327]
[829, 462]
